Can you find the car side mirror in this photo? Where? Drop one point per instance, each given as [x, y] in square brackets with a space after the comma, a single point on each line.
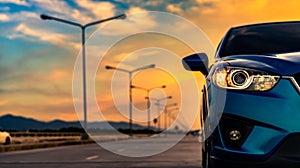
[196, 62]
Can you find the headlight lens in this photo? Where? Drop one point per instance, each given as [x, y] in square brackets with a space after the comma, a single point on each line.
[244, 79]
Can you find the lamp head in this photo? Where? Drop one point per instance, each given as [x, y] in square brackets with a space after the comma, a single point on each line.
[45, 17]
[109, 67]
[123, 16]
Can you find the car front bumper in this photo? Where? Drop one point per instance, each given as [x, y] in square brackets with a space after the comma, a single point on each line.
[272, 119]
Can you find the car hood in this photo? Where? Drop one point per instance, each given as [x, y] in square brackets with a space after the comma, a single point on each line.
[282, 64]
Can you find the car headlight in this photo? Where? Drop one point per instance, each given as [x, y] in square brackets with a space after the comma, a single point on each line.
[244, 79]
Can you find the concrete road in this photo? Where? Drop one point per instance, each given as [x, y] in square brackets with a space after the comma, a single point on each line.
[186, 154]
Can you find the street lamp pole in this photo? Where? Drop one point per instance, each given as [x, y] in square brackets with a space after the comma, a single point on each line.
[130, 87]
[148, 101]
[166, 113]
[169, 114]
[83, 27]
[158, 108]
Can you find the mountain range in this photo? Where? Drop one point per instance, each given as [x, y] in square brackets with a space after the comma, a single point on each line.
[19, 123]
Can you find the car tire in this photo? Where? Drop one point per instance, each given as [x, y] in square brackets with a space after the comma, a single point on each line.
[204, 159]
[7, 141]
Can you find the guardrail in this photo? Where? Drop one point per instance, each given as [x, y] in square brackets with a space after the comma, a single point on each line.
[44, 134]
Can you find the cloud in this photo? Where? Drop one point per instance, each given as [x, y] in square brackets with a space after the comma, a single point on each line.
[20, 16]
[174, 8]
[4, 17]
[62, 101]
[30, 27]
[17, 2]
[25, 31]
[62, 10]
[99, 10]
[207, 1]
[137, 20]
[34, 91]
[154, 3]
[59, 75]
[135, 9]
[241, 8]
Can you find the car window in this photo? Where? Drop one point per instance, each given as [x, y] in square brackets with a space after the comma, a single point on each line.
[262, 39]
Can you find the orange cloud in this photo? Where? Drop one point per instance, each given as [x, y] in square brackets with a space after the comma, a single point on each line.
[59, 75]
[99, 9]
[216, 19]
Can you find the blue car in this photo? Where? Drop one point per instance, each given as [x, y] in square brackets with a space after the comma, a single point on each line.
[252, 93]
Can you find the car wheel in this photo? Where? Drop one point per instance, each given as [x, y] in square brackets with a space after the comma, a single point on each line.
[7, 141]
[204, 159]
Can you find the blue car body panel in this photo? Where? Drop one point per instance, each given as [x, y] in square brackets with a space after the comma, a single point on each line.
[276, 114]
[269, 120]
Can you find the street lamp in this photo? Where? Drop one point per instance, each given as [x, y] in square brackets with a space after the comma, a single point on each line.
[130, 88]
[158, 107]
[166, 113]
[148, 101]
[169, 113]
[83, 27]
[183, 125]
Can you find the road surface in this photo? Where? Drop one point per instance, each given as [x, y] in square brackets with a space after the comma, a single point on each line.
[186, 154]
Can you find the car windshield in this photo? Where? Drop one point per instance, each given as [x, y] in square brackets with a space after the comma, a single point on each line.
[262, 39]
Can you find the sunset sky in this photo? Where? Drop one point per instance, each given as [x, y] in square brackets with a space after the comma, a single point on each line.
[37, 57]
